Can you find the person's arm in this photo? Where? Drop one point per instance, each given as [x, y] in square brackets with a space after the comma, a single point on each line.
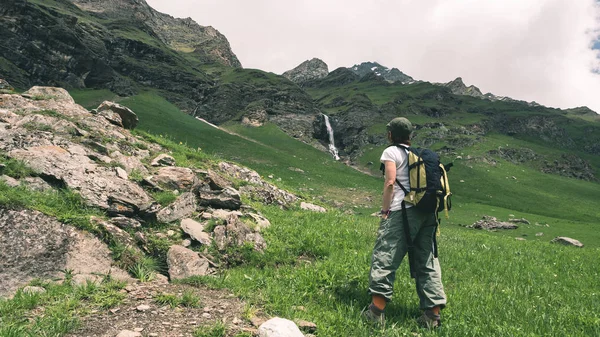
[388, 187]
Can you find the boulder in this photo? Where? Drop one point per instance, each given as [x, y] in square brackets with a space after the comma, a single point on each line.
[236, 233]
[36, 184]
[196, 231]
[111, 116]
[522, 220]
[269, 194]
[96, 183]
[184, 263]
[34, 245]
[216, 181]
[125, 223]
[163, 160]
[491, 223]
[175, 178]
[4, 85]
[223, 214]
[260, 220]
[129, 163]
[228, 198]
[311, 207]
[10, 181]
[129, 118]
[47, 93]
[183, 207]
[279, 327]
[567, 241]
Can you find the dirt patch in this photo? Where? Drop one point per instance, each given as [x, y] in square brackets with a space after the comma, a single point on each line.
[163, 320]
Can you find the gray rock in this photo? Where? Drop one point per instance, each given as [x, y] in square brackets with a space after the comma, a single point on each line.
[130, 163]
[196, 231]
[9, 181]
[236, 233]
[228, 198]
[129, 118]
[260, 220]
[121, 173]
[36, 184]
[311, 207]
[125, 223]
[58, 94]
[184, 263]
[95, 183]
[175, 178]
[143, 307]
[111, 116]
[491, 223]
[279, 327]
[307, 326]
[163, 160]
[4, 85]
[522, 220]
[33, 245]
[223, 214]
[183, 207]
[567, 241]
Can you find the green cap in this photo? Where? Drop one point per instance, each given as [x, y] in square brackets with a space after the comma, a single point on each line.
[400, 127]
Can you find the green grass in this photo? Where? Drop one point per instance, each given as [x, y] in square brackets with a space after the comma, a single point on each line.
[273, 153]
[496, 286]
[187, 299]
[58, 310]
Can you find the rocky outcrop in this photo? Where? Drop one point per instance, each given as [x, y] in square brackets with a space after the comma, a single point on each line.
[185, 205]
[375, 69]
[491, 223]
[258, 189]
[119, 115]
[563, 240]
[36, 246]
[314, 69]
[572, 166]
[236, 233]
[184, 263]
[458, 87]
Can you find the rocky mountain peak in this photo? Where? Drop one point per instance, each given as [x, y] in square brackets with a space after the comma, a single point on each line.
[390, 75]
[458, 87]
[314, 69]
[184, 35]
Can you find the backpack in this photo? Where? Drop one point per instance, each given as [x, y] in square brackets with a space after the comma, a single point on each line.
[429, 189]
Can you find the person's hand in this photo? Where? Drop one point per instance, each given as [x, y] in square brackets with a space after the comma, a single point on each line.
[384, 214]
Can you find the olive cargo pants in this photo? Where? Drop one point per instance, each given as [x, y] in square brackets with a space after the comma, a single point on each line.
[390, 249]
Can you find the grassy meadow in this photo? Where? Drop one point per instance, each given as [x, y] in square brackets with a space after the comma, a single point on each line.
[316, 265]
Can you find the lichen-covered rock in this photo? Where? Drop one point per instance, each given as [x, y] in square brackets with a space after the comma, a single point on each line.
[196, 231]
[129, 119]
[175, 178]
[33, 245]
[48, 93]
[228, 198]
[163, 159]
[491, 223]
[312, 207]
[567, 241]
[237, 233]
[183, 207]
[184, 263]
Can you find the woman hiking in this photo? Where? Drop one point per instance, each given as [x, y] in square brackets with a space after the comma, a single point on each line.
[392, 245]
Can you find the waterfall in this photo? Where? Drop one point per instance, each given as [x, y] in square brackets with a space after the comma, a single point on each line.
[332, 149]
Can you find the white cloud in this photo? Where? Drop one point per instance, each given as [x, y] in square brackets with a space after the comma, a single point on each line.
[536, 50]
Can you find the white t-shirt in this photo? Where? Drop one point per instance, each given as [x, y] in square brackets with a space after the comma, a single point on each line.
[400, 158]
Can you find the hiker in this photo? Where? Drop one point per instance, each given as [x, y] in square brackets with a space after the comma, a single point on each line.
[391, 245]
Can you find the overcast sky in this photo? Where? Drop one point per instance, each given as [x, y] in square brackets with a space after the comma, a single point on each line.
[535, 50]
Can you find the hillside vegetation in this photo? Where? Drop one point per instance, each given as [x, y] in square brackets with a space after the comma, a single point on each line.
[316, 265]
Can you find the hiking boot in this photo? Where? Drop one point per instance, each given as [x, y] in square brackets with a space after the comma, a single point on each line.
[429, 320]
[373, 314]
